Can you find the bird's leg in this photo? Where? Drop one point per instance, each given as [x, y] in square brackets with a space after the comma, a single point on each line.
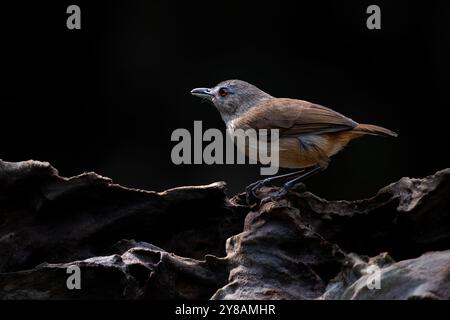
[294, 182]
[291, 184]
[268, 181]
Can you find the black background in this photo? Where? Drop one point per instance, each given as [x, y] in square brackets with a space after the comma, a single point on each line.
[106, 98]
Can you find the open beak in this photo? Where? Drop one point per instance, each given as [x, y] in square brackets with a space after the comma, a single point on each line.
[204, 93]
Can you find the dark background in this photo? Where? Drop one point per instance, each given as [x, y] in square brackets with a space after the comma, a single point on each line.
[107, 98]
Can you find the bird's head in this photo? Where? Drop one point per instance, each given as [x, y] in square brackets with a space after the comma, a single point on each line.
[232, 97]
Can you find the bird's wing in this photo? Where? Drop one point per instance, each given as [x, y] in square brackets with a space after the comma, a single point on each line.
[295, 117]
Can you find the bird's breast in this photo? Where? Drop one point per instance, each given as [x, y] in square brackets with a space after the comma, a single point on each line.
[294, 152]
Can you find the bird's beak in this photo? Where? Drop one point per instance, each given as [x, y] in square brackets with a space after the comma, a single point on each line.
[204, 93]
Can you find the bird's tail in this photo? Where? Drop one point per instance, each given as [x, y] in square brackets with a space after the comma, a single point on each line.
[374, 130]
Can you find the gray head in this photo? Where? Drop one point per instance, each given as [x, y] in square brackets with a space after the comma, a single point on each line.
[232, 97]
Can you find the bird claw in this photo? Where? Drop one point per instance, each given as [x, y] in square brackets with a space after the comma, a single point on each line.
[252, 188]
[299, 187]
[281, 194]
[275, 197]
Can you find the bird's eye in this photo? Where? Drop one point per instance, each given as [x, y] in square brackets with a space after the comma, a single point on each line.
[223, 92]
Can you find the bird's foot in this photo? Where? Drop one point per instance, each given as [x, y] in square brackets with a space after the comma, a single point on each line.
[252, 188]
[281, 194]
[299, 187]
[277, 196]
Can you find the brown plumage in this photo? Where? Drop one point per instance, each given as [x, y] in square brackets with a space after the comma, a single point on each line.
[309, 133]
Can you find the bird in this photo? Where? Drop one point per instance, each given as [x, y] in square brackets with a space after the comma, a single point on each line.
[309, 134]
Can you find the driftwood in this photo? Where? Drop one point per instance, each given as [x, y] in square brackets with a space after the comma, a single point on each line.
[196, 243]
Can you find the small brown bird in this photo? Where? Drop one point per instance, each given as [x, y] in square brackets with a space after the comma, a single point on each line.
[309, 134]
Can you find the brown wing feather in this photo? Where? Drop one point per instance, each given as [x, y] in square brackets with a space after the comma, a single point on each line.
[294, 117]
